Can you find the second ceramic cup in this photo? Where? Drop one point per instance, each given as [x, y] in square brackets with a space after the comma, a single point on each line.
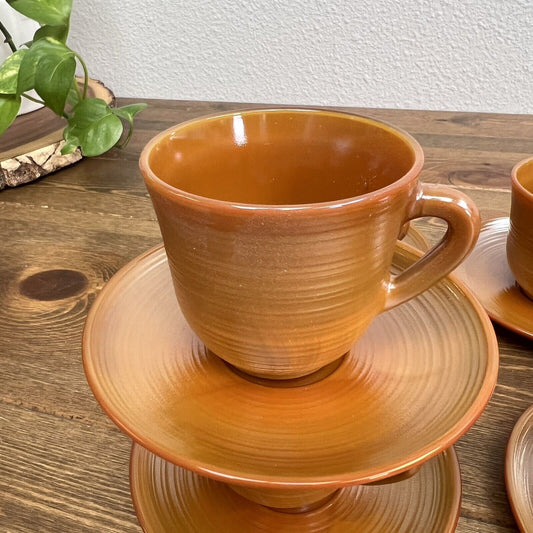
[280, 227]
[520, 238]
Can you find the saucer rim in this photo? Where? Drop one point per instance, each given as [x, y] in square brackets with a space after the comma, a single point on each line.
[514, 290]
[233, 475]
[525, 421]
[452, 462]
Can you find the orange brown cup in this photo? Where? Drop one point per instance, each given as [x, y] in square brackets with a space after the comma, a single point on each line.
[520, 237]
[280, 227]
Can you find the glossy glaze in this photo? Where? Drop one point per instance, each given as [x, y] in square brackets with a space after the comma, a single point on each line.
[520, 238]
[414, 383]
[281, 157]
[487, 273]
[519, 471]
[280, 227]
[168, 498]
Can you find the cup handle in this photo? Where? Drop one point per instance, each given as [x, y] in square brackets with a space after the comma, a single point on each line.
[462, 216]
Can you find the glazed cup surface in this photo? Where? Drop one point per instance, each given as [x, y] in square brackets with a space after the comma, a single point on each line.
[520, 237]
[280, 226]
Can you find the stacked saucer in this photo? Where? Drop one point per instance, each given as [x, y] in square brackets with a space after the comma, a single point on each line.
[366, 446]
[487, 273]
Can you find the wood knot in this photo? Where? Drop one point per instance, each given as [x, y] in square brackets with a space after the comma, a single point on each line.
[55, 284]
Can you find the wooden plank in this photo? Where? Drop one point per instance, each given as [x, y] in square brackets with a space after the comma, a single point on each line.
[40, 340]
[62, 475]
[113, 188]
[492, 125]
[481, 451]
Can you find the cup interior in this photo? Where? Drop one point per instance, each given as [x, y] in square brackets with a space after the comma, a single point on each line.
[280, 157]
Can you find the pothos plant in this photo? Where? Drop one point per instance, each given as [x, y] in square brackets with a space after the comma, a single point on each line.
[48, 65]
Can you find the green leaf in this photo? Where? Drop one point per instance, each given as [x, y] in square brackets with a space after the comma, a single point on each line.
[9, 72]
[9, 107]
[127, 112]
[53, 12]
[73, 97]
[44, 47]
[53, 80]
[26, 77]
[59, 33]
[94, 127]
[70, 145]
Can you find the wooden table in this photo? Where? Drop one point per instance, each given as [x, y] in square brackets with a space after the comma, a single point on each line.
[63, 464]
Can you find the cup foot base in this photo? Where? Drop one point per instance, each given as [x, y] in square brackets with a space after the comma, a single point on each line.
[302, 381]
[287, 501]
[306, 508]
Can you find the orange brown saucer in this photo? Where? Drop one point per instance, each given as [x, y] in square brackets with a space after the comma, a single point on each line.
[169, 498]
[487, 274]
[519, 471]
[417, 380]
[416, 239]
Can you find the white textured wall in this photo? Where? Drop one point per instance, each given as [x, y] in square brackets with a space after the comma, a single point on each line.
[469, 55]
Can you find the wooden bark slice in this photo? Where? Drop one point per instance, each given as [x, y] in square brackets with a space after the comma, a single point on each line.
[31, 147]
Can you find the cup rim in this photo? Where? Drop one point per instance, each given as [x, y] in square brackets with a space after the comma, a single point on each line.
[175, 193]
[515, 182]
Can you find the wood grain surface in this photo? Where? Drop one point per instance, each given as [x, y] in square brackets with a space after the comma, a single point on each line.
[63, 465]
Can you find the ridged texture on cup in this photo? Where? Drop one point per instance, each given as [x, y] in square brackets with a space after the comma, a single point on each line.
[277, 296]
[168, 498]
[413, 384]
[280, 227]
[520, 239]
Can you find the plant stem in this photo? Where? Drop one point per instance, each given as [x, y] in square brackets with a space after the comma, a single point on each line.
[85, 76]
[8, 38]
[125, 142]
[78, 90]
[26, 95]
[36, 100]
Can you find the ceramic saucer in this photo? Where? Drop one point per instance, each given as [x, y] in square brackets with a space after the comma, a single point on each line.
[169, 498]
[487, 274]
[415, 238]
[519, 471]
[416, 381]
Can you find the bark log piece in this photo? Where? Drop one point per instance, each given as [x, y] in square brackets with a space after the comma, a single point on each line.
[31, 147]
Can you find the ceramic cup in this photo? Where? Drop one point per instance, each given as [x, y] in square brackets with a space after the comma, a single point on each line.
[280, 226]
[520, 237]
